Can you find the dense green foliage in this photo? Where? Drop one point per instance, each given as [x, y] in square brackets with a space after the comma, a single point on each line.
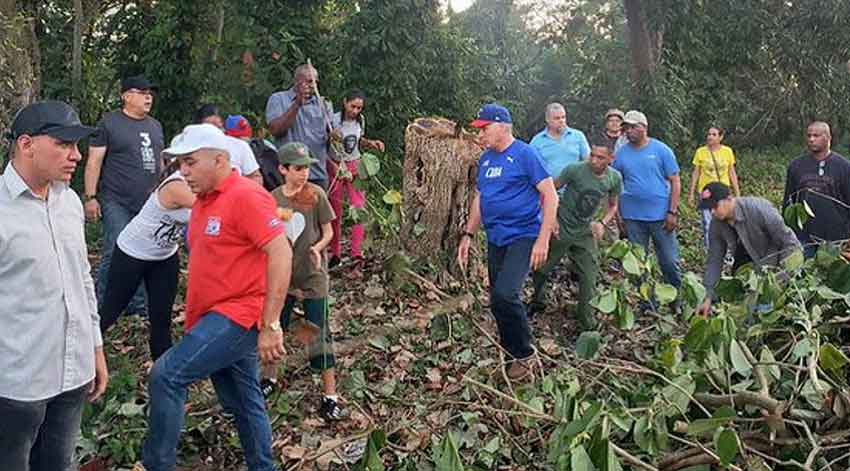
[760, 68]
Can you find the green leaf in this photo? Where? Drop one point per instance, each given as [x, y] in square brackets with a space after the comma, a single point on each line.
[643, 435]
[131, 409]
[693, 292]
[606, 302]
[631, 264]
[708, 426]
[698, 334]
[618, 250]
[588, 344]
[448, 458]
[808, 209]
[602, 454]
[581, 425]
[371, 460]
[369, 165]
[392, 197]
[802, 349]
[793, 262]
[831, 358]
[739, 361]
[730, 290]
[380, 342]
[625, 317]
[580, 460]
[726, 447]
[795, 216]
[766, 356]
[665, 293]
[679, 394]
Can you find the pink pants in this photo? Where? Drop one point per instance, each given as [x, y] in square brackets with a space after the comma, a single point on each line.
[338, 190]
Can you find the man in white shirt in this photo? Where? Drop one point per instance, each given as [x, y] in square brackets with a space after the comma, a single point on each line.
[51, 353]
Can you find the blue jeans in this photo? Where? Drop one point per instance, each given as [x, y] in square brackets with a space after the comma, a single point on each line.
[507, 268]
[115, 218]
[706, 225]
[223, 351]
[665, 243]
[41, 435]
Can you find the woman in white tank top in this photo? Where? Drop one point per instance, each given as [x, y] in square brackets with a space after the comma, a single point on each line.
[147, 250]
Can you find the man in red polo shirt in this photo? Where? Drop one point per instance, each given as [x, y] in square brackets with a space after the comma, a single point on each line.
[239, 270]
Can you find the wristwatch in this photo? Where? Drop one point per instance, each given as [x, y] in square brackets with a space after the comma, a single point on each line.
[90, 197]
[273, 326]
[467, 234]
[674, 213]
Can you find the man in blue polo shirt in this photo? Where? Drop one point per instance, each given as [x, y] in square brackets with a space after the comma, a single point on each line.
[559, 145]
[649, 204]
[512, 185]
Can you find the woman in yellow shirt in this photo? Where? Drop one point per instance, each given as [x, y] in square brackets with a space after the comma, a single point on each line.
[713, 162]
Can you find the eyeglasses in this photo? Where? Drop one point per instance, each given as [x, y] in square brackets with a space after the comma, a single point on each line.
[821, 166]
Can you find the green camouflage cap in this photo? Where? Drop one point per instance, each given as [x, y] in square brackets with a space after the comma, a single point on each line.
[294, 153]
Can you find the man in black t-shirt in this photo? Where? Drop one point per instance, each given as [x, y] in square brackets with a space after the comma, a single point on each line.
[123, 167]
[821, 178]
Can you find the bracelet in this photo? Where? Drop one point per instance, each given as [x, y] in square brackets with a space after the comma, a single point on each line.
[90, 197]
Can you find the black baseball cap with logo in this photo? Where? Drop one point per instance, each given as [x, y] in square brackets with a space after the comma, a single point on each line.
[56, 119]
[712, 194]
[139, 82]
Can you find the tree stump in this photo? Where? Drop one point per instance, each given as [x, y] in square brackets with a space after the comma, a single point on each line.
[440, 168]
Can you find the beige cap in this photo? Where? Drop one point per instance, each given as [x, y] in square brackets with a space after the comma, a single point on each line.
[613, 112]
[635, 117]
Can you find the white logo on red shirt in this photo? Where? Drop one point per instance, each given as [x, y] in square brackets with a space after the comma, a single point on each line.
[213, 226]
[274, 222]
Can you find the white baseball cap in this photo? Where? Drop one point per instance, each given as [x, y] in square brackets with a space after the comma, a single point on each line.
[195, 137]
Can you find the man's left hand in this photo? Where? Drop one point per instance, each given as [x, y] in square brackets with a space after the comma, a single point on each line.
[539, 253]
[101, 376]
[671, 222]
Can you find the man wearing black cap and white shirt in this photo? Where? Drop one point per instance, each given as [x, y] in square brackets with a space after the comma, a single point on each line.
[51, 355]
[750, 226]
[123, 167]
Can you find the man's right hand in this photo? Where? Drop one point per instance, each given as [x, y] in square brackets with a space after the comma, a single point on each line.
[92, 208]
[463, 251]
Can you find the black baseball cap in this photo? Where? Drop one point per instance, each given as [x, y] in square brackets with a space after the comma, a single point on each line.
[712, 194]
[56, 119]
[139, 82]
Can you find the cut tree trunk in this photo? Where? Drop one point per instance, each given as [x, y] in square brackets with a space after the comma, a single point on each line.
[440, 167]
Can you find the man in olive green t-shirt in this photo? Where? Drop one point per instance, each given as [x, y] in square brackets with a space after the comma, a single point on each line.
[586, 185]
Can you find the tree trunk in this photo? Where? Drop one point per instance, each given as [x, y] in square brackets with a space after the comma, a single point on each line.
[219, 30]
[644, 45]
[18, 49]
[77, 55]
[440, 167]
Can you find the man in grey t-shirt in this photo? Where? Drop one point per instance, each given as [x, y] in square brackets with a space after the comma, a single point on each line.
[300, 114]
[123, 167]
